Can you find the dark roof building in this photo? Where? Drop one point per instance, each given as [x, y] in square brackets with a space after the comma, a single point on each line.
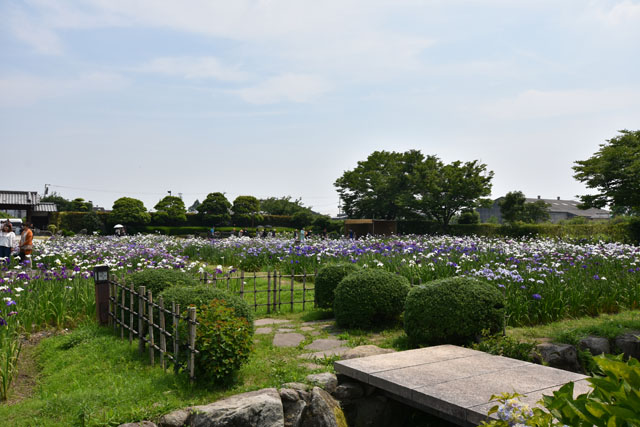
[559, 210]
[29, 202]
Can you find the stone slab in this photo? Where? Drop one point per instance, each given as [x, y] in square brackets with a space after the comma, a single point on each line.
[455, 381]
[338, 351]
[269, 321]
[287, 340]
[262, 331]
[307, 328]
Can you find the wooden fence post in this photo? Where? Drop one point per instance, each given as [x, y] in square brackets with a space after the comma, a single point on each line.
[192, 342]
[175, 308]
[268, 292]
[141, 310]
[163, 338]
[151, 325]
[130, 313]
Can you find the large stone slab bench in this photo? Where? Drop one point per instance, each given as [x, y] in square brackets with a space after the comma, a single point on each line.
[456, 383]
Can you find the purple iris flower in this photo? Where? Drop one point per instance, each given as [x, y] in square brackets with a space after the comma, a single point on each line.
[536, 297]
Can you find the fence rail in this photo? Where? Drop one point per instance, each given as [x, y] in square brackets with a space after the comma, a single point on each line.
[136, 313]
[273, 290]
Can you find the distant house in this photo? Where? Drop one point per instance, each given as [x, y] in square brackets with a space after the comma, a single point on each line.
[28, 204]
[362, 227]
[558, 210]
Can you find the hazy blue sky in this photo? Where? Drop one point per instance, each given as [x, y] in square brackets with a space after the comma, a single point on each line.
[106, 98]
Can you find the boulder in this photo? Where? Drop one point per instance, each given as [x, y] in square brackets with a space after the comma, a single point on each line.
[365, 350]
[325, 380]
[629, 344]
[256, 408]
[176, 418]
[348, 391]
[561, 356]
[595, 345]
[323, 411]
[293, 404]
[296, 386]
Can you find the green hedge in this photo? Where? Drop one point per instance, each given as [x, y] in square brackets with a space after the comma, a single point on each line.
[452, 311]
[370, 297]
[327, 280]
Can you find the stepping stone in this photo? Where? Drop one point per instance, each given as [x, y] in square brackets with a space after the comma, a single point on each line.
[287, 340]
[315, 333]
[285, 330]
[365, 351]
[307, 328]
[324, 344]
[265, 330]
[269, 321]
[338, 351]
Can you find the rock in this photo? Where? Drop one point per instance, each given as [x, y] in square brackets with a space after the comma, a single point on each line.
[561, 356]
[324, 344]
[287, 340]
[629, 344]
[307, 328]
[255, 408]
[312, 366]
[595, 345]
[325, 380]
[262, 331]
[139, 424]
[323, 411]
[293, 405]
[285, 330]
[365, 350]
[296, 386]
[348, 391]
[176, 418]
[338, 351]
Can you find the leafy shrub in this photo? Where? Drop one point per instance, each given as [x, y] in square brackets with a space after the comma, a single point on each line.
[614, 401]
[369, 297]
[504, 346]
[157, 280]
[453, 310]
[203, 295]
[223, 341]
[327, 280]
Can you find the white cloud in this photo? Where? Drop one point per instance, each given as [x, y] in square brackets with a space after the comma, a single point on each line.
[34, 34]
[25, 90]
[287, 87]
[536, 104]
[623, 13]
[194, 68]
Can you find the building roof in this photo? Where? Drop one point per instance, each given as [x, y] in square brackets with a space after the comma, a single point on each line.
[24, 198]
[571, 207]
[45, 207]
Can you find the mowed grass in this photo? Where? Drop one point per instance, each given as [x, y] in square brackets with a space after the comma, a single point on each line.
[90, 377]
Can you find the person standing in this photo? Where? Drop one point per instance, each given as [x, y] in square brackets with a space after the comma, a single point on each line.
[7, 239]
[26, 241]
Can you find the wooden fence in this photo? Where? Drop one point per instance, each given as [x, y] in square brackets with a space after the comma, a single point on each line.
[281, 290]
[134, 313]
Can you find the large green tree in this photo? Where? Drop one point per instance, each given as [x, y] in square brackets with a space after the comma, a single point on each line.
[80, 205]
[215, 209]
[246, 210]
[281, 206]
[61, 203]
[440, 191]
[129, 211]
[376, 187]
[170, 210]
[614, 172]
[514, 207]
[392, 185]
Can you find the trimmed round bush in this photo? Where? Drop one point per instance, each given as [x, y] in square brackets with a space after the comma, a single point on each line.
[157, 280]
[452, 311]
[223, 341]
[369, 298]
[327, 280]
[203, 295]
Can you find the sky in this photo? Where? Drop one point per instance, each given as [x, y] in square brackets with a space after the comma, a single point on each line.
[108, 98]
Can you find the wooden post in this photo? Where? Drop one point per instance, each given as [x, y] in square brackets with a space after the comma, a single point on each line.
[268, 292]
[130, 313]
[242, 284]
[192, 342]
[163, 338]
[304, 294]
[122, 313]
[103, 296]
[205, 278]
[152, 351]
[141, 309]
[255, 294]
[175, 309]
[292, 293]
